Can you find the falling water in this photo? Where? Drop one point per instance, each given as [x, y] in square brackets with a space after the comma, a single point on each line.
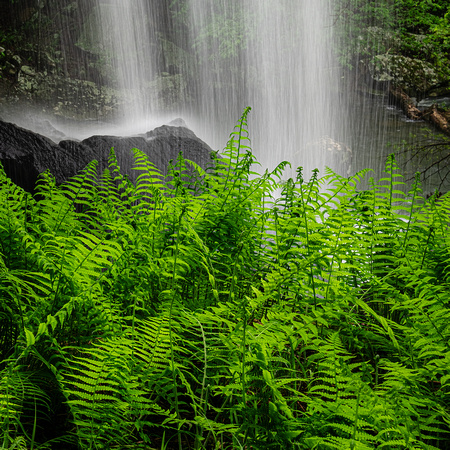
[285, 71]
[206, 60]
[273, 56]
[125, 38]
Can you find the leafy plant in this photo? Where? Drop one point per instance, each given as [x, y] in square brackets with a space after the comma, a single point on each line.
[203, 310]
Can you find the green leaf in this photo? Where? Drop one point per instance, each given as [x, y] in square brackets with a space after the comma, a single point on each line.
[30, 339]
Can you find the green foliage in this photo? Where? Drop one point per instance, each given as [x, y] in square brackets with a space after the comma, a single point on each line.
[109, 387]
[224, 309]
[411, 28]
[224, 35]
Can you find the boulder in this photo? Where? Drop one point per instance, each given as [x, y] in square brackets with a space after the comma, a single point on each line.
[25, 154]
[414, 76]
[166, 142]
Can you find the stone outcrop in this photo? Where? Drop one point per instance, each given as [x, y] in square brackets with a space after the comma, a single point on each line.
[25, 154]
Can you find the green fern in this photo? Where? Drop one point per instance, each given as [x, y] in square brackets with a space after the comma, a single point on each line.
[24, 404]
[110, 386]
[199, 307]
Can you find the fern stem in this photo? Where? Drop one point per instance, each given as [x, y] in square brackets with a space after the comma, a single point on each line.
[330, 272]
[243, 346]
[355, 424]
[230, 145]
[426, 246]
[172, 290]
[411, 210]
[308, 249]
[202, 393]
[390, 168]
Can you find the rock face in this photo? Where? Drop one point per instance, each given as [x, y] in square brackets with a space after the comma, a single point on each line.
[25, 154]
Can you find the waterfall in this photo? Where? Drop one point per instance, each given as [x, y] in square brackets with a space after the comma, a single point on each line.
[285, 71]
[276, 57]
[124, 67]
[126, 39]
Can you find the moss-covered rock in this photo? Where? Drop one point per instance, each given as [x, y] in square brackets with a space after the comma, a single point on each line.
[413, 75]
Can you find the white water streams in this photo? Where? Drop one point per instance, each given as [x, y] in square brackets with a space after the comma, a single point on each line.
[275, 56]
[285, 72]
[126, 38]
[206, 60]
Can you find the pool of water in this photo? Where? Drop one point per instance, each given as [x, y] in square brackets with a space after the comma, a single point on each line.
[377, 129]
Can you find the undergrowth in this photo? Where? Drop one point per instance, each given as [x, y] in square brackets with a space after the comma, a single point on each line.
[199, 311]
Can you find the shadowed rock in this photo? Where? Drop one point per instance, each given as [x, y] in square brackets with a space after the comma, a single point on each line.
[25, 154]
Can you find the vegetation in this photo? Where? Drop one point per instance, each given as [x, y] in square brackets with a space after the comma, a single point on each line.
[410, 28]
[431, 153]
[200, 311]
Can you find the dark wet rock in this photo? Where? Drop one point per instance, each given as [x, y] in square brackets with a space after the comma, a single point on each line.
[25, 154]
[166, 142]
[161, 145]
[101, 147]
[34, 122]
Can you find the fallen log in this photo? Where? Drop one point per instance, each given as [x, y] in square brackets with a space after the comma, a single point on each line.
[405, 102]
[432, 115]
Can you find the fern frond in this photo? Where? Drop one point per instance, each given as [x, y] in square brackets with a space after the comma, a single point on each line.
[109, 387]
